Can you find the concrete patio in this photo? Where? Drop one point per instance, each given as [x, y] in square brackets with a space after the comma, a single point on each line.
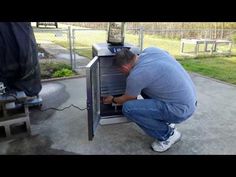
[211, 130]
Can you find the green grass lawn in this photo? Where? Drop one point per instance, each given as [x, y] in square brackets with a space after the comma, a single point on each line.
[222, 68]
[170, 45]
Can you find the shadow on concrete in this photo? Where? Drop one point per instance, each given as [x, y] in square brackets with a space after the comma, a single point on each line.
[34, 145]
[53, 95]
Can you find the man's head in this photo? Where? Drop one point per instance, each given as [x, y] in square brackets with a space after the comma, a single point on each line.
[125, 60]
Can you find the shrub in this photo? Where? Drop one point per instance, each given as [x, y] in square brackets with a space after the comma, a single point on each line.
[63, 73]
[48, 69]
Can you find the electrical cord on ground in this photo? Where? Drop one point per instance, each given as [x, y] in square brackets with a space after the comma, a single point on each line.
[62, 109]
[50, 108]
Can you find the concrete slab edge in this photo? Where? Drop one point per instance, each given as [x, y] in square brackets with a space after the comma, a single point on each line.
[61, 78]
[222, 82]
[81, 76]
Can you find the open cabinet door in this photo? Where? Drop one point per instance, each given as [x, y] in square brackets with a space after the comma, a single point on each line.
[93, 95]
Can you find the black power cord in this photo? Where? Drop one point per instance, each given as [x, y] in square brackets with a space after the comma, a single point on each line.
[62, 109]
[50, 108]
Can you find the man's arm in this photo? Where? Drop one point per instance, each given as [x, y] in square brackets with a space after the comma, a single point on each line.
[118, 100]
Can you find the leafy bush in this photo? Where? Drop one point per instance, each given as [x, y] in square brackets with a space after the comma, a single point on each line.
[63, 73]
[49, 69]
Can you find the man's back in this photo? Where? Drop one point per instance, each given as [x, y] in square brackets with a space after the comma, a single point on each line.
[161, 77]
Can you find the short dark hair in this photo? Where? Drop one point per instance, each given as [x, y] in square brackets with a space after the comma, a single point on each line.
[124, 56]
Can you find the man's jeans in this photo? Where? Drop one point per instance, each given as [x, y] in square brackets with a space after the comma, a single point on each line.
[152, 116]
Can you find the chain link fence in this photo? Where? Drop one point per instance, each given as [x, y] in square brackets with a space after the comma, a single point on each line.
[74, 46]
[53, 44]
[192, 33]
[83, 39]
[170, 39]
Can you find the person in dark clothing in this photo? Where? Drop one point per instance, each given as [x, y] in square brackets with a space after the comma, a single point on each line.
[19, 66]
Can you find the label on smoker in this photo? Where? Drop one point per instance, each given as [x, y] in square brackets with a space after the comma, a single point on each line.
[115, 33]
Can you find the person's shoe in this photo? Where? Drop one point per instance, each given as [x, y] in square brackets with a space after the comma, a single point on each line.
[161, 146]
[172, 125]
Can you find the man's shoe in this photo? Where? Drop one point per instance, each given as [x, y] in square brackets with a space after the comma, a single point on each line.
[172, 125]
[161, 146]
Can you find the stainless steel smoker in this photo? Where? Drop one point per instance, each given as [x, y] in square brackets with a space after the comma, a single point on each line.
[103, 79]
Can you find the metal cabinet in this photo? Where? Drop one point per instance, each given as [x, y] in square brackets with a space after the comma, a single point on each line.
[104, 79]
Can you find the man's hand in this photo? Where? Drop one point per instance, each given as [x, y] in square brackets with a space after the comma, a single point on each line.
[119, 100]
[107, 100]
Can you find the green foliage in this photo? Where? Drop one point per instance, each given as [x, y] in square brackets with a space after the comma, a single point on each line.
[51, 69]
[63, 73]
[221, 68]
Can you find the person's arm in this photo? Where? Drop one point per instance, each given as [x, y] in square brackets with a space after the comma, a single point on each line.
[118, 100]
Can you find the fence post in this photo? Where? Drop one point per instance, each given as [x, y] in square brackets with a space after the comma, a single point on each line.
[141, 38]
[70, 46]
[222, 33]
[181, 34]
[73, 45]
